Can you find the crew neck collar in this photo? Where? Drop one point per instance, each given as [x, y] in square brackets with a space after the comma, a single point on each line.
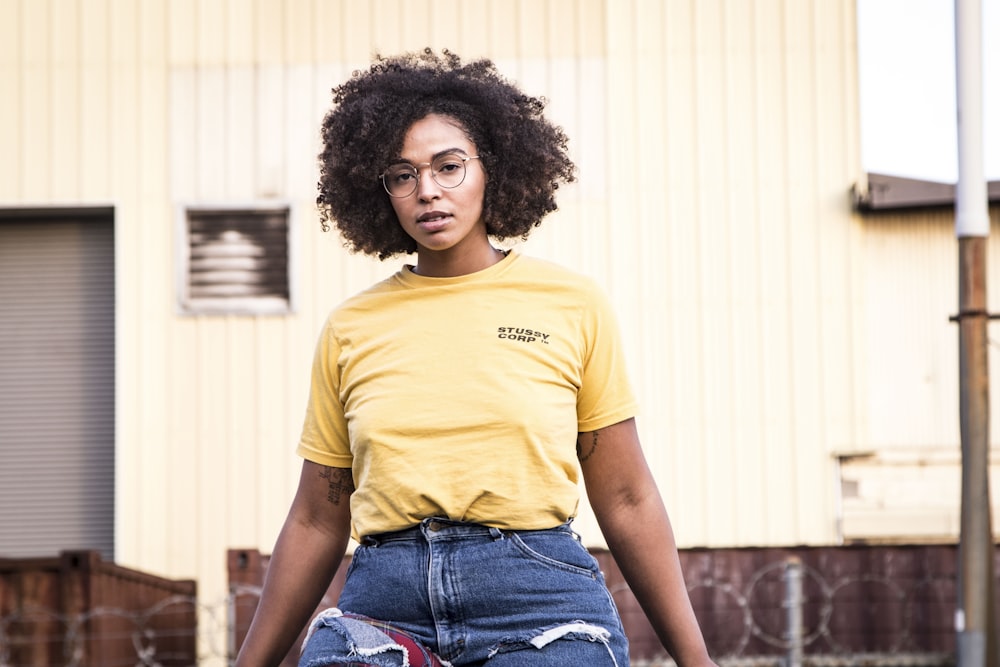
[408, 277]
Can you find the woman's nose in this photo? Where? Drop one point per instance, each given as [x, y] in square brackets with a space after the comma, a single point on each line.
[427, 187]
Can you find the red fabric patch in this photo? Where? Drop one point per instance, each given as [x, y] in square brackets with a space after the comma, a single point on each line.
[420, 656]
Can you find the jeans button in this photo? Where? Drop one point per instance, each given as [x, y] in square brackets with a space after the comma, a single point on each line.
[435, 526]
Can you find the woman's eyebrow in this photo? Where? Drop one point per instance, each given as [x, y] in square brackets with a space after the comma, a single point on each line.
[447, 151]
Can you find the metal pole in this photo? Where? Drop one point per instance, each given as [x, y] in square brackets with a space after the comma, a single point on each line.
[793, 610]
[974, 622]
[974, 619]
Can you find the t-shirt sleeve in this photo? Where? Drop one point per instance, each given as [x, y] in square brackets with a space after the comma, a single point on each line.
[324, 434]
[605, 395]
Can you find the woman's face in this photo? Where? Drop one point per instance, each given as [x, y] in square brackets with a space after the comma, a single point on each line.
[446, 223]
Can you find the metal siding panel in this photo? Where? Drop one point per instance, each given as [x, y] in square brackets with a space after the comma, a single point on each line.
[714, 265]
[65, 171]
[210, 30]
[240, 136]
[912, 349]
[357, 32]
[531, 21]
[124, 160]
[744, 230]
[182, 31]
[241, 34]
[153, 237]
[129, 497]
[413, 30]
[328, 21]
[810, 488]
[387, 19]
[473, 30]
[709, 279]
[95, 108]
[274, 469]
[179, 517]
[270, 130]
[445, 25]
[299, 23]
[504, 38]
[269, 31]
[212, 470]
[183, 135]
[242, 437]
[212, 135]
[911, 352]
[686, 245]
[36, 102]
[681, 247]
[775, 384]
[301, 135]
[836, 105]
[11, 80]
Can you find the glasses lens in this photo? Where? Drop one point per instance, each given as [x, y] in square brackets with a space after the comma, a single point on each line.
[400, 180]
[449, 171]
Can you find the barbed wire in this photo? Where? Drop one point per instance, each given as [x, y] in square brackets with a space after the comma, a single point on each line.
[151, 638]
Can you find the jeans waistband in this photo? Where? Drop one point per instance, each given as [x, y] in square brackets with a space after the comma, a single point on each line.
[435, 528]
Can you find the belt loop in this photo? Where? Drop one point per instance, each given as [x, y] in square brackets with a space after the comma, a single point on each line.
[497, 534]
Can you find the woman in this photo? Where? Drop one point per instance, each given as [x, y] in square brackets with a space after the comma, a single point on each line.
[454, 405]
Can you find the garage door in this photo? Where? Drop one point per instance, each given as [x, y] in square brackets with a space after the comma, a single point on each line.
[57, 374]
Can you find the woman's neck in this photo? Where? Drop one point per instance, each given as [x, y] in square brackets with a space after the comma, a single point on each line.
[439, 265]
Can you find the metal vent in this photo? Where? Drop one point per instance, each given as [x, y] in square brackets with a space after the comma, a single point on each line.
[237, 261]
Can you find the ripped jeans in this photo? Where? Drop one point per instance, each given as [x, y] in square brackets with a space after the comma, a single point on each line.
[474, 595]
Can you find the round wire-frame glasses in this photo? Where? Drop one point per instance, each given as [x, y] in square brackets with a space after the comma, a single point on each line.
[448, 171]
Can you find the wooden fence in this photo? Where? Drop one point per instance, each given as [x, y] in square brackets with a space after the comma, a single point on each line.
[890, 604]
[76, 609]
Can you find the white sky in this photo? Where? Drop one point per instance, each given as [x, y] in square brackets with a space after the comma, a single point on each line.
[906, 58]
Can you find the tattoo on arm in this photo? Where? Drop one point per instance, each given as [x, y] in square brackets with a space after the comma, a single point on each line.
[584, 455]
[341, 483]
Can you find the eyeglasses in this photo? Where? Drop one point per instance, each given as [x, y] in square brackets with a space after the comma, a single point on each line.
[448, 171]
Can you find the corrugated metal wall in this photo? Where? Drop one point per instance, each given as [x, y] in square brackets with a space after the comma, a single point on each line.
[716, 141]
[907, 483]
[735, 256]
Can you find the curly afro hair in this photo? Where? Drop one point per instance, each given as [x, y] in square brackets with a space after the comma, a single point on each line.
[523, 154]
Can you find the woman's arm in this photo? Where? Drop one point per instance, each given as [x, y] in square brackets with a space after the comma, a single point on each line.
[309, 549]
[635, 524]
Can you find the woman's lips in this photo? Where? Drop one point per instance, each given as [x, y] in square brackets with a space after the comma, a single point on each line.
[433, 221]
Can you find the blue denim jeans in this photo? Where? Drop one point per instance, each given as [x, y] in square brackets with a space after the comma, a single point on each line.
[475, 595]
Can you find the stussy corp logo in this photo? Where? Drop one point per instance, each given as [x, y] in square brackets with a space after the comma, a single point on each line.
[522, 335]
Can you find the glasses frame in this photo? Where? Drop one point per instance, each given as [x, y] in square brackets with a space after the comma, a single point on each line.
[416, 170]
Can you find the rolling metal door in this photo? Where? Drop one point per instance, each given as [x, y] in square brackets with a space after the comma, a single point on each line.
[57, 379]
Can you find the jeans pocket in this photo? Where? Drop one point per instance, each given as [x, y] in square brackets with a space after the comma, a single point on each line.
[558, 550]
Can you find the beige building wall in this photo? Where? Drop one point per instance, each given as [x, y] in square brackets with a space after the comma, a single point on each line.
[770, 329]
[903, 482]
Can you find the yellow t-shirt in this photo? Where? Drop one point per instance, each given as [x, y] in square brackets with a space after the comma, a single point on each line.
[462, 397]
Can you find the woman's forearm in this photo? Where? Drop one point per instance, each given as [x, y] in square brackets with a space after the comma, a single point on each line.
[634, 521]
[645, 551]
[302, 565]
[308, 552]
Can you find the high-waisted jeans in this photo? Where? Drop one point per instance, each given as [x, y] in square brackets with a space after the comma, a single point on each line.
[475, 595]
